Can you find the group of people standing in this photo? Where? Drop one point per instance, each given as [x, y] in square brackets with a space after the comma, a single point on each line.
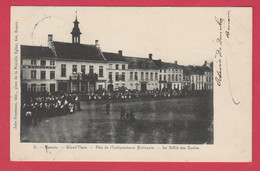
[124, 116]
[35, 108]
[127, 116]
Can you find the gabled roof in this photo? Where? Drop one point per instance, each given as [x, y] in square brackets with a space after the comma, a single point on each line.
[77, 51]
[35, 51]
[113, 56]
[140, 63]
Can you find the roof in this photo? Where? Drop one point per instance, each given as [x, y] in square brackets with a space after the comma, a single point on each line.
[158, 63]
[166, 65]
[170, 65]
[113, 56]
[77, 51]
[196, 69]
[140, 63]
[35, 51]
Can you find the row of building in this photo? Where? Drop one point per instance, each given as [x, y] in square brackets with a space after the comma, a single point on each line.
[69, 67]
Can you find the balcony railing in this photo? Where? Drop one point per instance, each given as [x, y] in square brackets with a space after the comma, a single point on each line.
[84, 77]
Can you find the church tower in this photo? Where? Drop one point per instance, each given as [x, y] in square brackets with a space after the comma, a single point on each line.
[76, 32]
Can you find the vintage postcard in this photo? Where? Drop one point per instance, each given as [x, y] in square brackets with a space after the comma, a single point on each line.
[131, 84]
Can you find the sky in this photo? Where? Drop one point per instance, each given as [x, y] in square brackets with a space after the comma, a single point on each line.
[186, 35]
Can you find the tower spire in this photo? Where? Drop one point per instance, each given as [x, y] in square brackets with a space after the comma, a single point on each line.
[76, 16]
[76, 31]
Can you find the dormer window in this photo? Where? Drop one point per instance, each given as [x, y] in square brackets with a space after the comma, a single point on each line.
[33, 62]
[43, 62]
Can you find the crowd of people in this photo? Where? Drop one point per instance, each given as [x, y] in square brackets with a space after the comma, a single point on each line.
[123, 93]
[34, 108]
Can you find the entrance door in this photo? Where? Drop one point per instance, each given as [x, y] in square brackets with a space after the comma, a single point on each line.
[92, 86]
[52, 88]
[24, 88]
[62, 87]
[193, 86]
[110, 87]
[143, 86]
[169, 86]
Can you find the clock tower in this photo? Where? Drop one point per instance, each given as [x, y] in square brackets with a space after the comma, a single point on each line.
[76, 32]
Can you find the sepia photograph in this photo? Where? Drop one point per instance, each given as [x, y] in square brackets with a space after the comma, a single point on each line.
[75, 91]
[131, 83]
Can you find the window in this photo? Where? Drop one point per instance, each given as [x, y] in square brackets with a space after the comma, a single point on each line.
[52, 62]
[151, 76]
[52, 74]
[131, 75]
[164, 77]
[117, 76]
[43, 62]
[43, 75]
[91, 69]
[172, 77]
[164, 70]
[146, 75]
[83, 69]
[33, 74]
[123, 66]
[33, 62]
[169, 77]
[63, 70]
[100, 71]
[123, 76]
[110, 66]
[117, 66]
[156, 76]
[74, 68]
[179, 77]
[136, 75]
[110, 76]
[142, 76]
[160, 77]
[176, 78]
[43, 87]
[160, 70]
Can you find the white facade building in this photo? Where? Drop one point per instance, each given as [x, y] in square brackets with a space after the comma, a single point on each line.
[69, 67]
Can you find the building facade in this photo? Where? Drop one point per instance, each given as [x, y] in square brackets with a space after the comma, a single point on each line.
[70, 67]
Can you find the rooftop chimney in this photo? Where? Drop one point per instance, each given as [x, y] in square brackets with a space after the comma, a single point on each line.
[120, 52]
[50, 39]
[176, 62]
[150, 56]
[96, 42]
[160, 60]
